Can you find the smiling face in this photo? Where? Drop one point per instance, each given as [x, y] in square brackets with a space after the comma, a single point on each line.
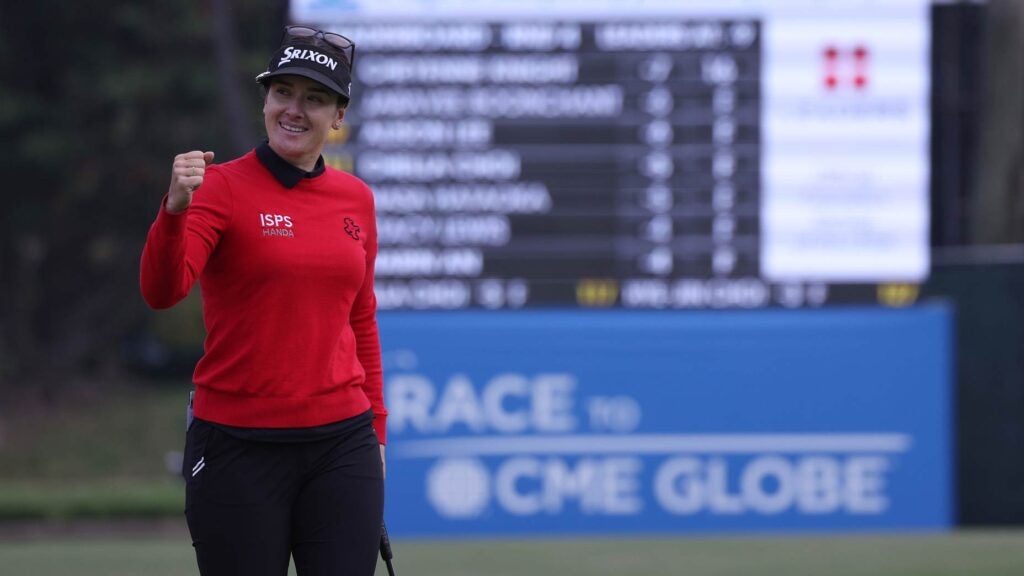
[298, 114]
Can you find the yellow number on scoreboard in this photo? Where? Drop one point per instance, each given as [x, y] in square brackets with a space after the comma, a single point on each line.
[597, 293]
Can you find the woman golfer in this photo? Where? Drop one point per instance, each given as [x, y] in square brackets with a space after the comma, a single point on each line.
[285, 455]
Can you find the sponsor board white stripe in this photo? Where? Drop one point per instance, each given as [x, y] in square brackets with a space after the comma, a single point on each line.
[652, 444]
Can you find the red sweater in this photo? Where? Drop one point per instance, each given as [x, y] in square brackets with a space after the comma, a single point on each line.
[287, 284]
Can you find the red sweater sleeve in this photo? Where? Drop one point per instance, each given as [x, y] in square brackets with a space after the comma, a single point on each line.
[364, 326]
[179, 245]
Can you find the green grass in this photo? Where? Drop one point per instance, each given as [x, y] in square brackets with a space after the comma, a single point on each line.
[92, 432]
[152, 557]
[95, 450]
[970, 553]
[113, 497]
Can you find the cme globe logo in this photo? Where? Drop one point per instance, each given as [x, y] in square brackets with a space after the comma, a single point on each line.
[459, 488]
[528, 445]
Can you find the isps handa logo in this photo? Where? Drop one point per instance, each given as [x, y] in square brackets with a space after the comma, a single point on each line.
[277, 225]
[846, 67]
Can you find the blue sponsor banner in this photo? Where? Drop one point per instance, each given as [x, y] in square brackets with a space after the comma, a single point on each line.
[583, 422]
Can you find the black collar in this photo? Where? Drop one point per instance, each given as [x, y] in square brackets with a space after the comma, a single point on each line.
[286, 173]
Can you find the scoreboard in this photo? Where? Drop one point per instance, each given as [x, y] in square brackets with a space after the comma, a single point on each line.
[654, 154]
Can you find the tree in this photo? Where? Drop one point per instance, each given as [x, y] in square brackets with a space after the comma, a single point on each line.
[97, 99]
[998, 189]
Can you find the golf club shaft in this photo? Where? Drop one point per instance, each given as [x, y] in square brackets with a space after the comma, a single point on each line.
[385, 549]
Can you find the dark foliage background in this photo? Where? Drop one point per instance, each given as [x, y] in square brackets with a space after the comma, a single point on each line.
[97, 98]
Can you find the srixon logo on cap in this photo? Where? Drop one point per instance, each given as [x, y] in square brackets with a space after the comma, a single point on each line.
[292, 53]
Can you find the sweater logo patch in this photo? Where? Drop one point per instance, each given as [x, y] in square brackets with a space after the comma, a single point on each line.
[277, 225]
[351, 228]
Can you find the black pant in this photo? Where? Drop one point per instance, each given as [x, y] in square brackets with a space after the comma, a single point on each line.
[250, 504]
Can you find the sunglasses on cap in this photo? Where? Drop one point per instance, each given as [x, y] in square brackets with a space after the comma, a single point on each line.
[343, 44]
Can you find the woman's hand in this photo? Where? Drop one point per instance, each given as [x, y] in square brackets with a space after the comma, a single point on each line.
[186, 175]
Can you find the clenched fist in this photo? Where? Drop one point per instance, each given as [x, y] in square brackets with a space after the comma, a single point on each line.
[186, 175]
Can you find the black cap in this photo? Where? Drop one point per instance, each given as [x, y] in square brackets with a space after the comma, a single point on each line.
[319, 61]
